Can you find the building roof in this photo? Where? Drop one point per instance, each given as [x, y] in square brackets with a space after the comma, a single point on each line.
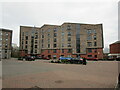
[1, 29]
[116, 42]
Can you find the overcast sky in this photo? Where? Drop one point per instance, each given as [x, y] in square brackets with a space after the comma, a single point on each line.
[30, 13]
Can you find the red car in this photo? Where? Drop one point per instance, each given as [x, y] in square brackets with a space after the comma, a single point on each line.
[92, 58]
[46, 58]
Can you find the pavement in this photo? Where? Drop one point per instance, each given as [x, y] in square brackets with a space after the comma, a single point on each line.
[42, 74]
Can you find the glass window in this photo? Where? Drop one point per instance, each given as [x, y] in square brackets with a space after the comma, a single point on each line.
[89, 31]
[35, 46]
[55, 45]
[94, 31]
[55, 40]
[95, 43]
[69, 50]
[95, 56]
[69, 33]
[89, 55]
[54, 57]
[42, 46]
[68, 27]
[48, 45]
[54, 51]
[42, 36]
[42, 41]
[89, 37]
[55, 34]
[26, 46]
[62, 44]
[62, 50]
[69, 44]
[26, 37]
[89, 50]
[89, 44]
[62, 33]
[55, 30]
[36, 37]
[48, 35]
[36, 41]
[48, 40]
[69, 38]
[94, 37]
[26, 42]
[48, 51]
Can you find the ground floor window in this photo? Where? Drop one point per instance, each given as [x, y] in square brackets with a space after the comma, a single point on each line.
[54, 57]
[95, 56]
[89, 55]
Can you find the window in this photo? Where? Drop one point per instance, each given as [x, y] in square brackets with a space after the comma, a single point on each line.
[48, 45]
[95, 56]
[69, 44]
[6, 34]
[95, 50]
[69, 38]
[89, 44]
[62, 44]
[89, 50]
[35, 46]
[62, 50]
[48, 40]
[48, 30]
[42, 41]
[89, 37]
[54, 56]
[62, 33]
[89, 31]
[48, 51]
[6, 39]
[62, 39]
[26, 42]
[89, 55]
[55, 45]
[36, 37]
[69, 50]
[26, 46]
[55, 34]
[42, 36]
[36, 41]
[42, 46]
[94, 37]
[94, 31]
[95, 43]
[55, 30]
[69, 33]
[35, 51]
[68, 27]
[54, 51]
[48, 35]
[26, 37]
[69, 56]
[55, 40]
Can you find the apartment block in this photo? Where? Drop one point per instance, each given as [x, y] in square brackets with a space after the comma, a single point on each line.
[5, 43]
[68, 40]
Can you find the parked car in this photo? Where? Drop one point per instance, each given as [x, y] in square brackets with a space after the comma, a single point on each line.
[20, 58]
[46, 58]
[77, 60]
[65, 58]
[38, 57]
[30, 58]
[92, 58]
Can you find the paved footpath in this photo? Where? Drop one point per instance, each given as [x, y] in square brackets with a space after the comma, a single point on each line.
[27, 74]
